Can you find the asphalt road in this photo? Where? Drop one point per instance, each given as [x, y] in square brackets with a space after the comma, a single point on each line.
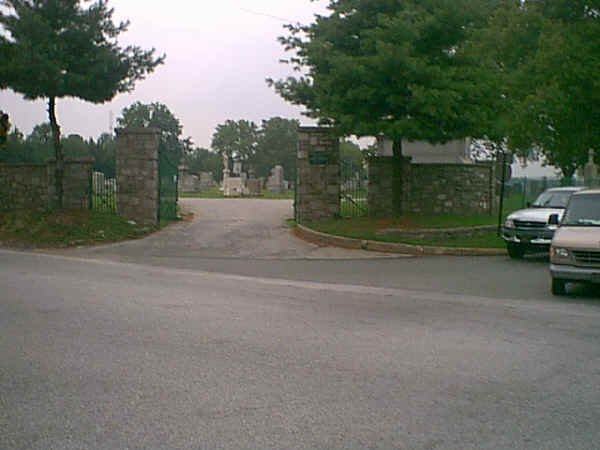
[250, 237]
[180, 342]
[110, 355]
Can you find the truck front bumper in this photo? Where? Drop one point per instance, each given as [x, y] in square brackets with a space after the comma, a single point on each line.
[573, 273]
[528, 237]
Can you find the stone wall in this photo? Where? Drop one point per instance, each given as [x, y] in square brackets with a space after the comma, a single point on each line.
[318, 182]
[77, 184]
[24, 186]
[381, 180]
[32, 186]
[449, 189]
[432, 189]
[190, 182]
[137, 174]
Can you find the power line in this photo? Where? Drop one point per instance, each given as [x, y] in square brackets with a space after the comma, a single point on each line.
[256, 13]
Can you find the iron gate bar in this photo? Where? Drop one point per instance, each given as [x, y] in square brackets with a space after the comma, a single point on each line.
[353, 189]
[168, 173]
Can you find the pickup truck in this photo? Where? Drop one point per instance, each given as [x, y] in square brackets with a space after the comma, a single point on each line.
[528, 229]
[575, 249]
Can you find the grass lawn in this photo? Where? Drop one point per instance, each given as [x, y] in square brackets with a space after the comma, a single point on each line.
[216, 193]
[213, 192]
[68, 228]
[367, 228]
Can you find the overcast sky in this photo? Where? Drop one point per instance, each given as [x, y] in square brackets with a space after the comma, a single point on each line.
[218, 56]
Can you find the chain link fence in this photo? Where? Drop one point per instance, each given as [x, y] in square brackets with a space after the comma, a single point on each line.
[522, 191]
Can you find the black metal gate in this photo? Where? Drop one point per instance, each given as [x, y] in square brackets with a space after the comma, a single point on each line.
[353, 189]
[168, 173]
[104, 193]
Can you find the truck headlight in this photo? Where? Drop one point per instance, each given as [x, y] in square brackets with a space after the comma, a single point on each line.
[559, 253]
[509, 223]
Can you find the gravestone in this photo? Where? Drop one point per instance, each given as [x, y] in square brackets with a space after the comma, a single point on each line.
[275, 181]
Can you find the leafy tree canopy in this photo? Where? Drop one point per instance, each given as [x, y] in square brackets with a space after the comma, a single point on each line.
[157, 115]
[67, 48]
[237, 140]
[544, 57]
[259, 148]
[104, 151]
[59, 48]
[41, 134]
[389, 67]
[203, 160]
[277, 143]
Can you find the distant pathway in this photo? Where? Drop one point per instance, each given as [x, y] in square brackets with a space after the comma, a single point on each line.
[225, 228]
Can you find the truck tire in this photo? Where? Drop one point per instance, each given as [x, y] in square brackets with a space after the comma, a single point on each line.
[558, 286]
[515, 251]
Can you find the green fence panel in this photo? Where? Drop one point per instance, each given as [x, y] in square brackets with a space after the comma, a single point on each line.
[104, 193]
[168, 172]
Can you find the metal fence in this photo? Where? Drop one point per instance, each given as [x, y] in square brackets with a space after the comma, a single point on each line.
[519, 192]
[104, 193]
[353, 189]
[168, 193]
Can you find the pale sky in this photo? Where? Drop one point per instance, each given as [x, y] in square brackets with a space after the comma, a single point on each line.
[218, 57]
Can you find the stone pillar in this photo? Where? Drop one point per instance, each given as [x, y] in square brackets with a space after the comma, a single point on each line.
[137, 174]
[318, 175]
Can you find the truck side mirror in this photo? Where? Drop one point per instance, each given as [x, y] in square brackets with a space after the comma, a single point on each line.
[553, 219]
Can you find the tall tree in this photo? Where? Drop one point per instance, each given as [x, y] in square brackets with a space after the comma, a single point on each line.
[39, 143]
[15, 149]
[76, 147]
[544, 56]
[51, 49]
[203, 160]
[158, 115]
[277, 142]
[389, 68]
[104, 151]
[237, 140]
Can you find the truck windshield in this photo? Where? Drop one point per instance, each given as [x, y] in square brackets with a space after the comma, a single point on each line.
[583, 210]
[552, 199]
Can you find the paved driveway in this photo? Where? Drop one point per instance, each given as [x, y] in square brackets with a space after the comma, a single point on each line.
[226, 228]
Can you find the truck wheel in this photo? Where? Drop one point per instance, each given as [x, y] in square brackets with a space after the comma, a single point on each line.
[558, 286]
[515, 251]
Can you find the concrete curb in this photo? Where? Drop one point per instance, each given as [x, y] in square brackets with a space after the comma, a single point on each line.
[391, 247]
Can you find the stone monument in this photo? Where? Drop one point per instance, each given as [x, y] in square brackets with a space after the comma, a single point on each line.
[590, 171]
[275, 183]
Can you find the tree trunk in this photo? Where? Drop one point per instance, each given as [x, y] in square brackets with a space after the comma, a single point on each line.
[397, 180]
[58, 153]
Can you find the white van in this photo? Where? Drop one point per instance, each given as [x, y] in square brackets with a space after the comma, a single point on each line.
[575, 249]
